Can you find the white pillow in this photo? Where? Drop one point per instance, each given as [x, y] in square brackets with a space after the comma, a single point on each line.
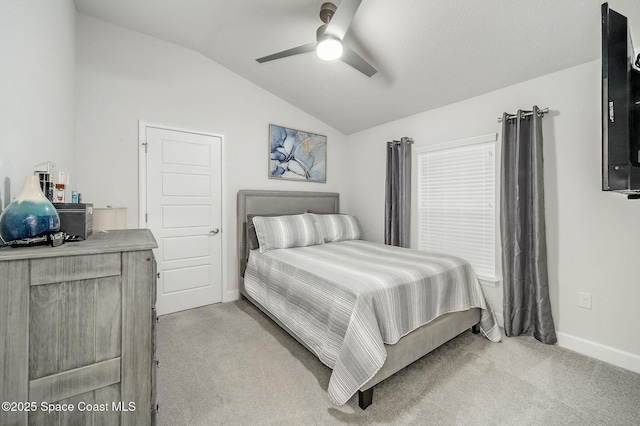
[286, 231]
[338, 227]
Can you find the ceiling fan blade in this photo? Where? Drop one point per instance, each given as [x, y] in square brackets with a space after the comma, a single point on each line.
[356, 61]
[290, 52]
[342, 18]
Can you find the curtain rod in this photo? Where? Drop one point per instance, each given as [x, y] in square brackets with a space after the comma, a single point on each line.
[404, 139]
[541, 112]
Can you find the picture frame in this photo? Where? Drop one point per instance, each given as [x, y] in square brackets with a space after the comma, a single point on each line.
[297, 155]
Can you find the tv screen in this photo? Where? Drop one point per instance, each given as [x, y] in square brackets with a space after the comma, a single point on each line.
[620, 107]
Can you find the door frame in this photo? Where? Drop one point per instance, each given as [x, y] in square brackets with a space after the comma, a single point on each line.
[143, 125]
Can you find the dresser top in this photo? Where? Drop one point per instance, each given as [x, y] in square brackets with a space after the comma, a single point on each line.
[98, 242]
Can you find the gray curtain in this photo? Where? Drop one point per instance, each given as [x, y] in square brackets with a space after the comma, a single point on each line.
[527, 309]
[398, 193]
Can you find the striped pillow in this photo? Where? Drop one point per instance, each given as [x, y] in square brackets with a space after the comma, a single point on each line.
[286, 231]
[338, 227]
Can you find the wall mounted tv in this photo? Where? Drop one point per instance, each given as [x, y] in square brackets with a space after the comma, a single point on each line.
[620, 107]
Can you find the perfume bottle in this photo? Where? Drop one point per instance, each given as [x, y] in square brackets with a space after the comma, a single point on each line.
[60, 186]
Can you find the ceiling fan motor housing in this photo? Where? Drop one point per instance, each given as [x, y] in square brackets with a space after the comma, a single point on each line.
[320, 32]
[329, 47]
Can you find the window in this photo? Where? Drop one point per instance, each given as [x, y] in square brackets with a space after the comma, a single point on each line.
[456, 186]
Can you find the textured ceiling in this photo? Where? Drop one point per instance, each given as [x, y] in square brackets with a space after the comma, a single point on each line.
[428, 53]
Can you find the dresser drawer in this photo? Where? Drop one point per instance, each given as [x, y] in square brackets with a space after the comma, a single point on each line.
[73, 268]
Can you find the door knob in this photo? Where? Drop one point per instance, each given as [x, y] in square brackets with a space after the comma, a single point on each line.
[215, 231]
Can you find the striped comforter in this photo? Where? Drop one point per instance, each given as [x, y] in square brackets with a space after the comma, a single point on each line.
[346, 299]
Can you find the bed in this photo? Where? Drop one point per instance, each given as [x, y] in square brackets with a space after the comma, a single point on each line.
[347, 334]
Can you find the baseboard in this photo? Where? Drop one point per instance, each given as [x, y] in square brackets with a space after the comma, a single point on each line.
[626, 360]
[230, 296]
[604, 353]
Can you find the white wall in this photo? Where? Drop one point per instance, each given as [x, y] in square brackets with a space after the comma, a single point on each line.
[592, 236]
[124, 76]
[37, 86]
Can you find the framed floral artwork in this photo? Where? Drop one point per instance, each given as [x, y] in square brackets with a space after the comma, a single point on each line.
[297, 155]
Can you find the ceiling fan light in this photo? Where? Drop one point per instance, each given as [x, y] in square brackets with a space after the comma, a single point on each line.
[329, 48]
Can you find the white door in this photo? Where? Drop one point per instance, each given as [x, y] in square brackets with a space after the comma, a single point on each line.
[183, 193]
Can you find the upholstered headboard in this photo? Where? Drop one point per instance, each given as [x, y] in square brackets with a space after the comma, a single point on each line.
[257, 202]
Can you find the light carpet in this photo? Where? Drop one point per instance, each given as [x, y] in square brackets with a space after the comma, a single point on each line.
[228, 364]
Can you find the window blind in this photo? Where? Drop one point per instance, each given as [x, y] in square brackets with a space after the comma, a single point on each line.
[456, 185]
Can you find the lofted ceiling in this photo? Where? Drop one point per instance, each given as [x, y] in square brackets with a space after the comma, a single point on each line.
[428, 53]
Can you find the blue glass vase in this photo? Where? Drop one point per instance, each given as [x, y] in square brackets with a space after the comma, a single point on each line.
[30, 214]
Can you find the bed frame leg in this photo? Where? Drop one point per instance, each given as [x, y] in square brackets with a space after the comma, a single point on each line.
[365, 398]
[475, 329]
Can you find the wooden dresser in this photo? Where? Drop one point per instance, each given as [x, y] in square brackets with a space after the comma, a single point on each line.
[77, 331]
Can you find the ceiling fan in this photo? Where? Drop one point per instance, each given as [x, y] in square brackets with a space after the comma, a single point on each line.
[329, 45]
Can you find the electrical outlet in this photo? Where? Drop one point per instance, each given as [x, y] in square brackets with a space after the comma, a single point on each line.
[584, 300]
